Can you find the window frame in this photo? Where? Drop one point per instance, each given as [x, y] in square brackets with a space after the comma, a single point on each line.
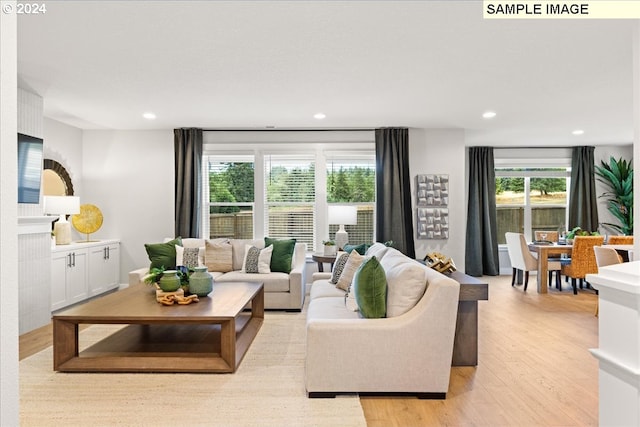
[356, 143]
[533, 158]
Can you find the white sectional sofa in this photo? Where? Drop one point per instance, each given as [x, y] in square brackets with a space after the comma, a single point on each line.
[282, 291]
[409, 353]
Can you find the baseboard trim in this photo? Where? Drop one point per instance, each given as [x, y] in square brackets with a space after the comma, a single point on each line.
[421, 396]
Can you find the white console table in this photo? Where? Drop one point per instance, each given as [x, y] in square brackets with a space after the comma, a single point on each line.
[619, 343]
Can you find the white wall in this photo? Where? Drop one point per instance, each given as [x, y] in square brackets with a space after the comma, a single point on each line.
[129, 175]
[442, 151]
[9, 388]
[63, 143]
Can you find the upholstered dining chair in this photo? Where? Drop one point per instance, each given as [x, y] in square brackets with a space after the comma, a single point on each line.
[620, 240]
[604, 257]
[549, 236]
[523, 260]
[583, 259]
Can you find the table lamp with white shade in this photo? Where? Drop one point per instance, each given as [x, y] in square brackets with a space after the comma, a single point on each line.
[63, 206]
[342, 215]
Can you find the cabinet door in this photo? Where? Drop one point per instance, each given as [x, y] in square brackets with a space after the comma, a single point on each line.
[104, 268]
[112, 266]
[59, 265]
[77, 288]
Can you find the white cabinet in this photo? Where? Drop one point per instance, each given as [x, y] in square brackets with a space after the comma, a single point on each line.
[104, 268]
[82, 270]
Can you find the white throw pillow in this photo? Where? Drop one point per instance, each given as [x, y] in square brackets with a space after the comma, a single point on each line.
[257, 260]
[406, 282]
[338, 267]
[353, 263]
[350, 300]
[189, 257]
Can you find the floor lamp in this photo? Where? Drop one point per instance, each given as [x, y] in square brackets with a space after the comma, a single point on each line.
[63, 206]
[342, 215]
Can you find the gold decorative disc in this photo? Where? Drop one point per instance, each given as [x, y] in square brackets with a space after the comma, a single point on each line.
[89, 220]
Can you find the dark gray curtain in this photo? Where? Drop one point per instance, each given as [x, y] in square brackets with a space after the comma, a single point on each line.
[583, 208]
[394, 220]
[481, 253]
[188, 183]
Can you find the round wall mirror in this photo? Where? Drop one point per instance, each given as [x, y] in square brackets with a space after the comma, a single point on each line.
[55, 179]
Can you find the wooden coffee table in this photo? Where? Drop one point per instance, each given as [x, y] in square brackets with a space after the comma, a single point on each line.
[212, 335]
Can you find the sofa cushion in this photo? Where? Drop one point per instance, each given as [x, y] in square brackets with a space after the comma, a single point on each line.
[323, 289]
[163, 254]
[282, 253]
[361, 249]
[370, 288]
[189, 257]
[218, 255]
[406, 282]
[239, 246]
[329, 309]
[378, 250]
[257, 260]
[273, 282]
[353, 263]
[338, 267]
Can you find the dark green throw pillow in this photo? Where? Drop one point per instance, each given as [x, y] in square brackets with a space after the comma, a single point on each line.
[163, 254]
[370, 288]
[361, 249]
[282, 254]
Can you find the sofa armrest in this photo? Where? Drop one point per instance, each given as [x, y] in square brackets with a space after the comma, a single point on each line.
[297, 276]
[320, 276]
[138, 276]
[407, 353]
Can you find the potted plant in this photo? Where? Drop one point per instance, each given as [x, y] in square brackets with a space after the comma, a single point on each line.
[329, 247]
[577, 231]
[617, 175]
[154, 275]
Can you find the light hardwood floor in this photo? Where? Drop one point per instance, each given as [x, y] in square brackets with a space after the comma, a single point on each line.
[534, 367]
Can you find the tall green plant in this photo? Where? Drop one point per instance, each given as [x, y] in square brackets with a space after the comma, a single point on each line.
[617, 175]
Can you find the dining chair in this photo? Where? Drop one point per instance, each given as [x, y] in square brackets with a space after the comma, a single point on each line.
[549, 236]
[604, 257]
[523, 260]
[583, 259]
[620, 240]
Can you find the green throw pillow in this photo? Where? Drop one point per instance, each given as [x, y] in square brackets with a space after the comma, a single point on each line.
[282, 254]
[361, 249]
[370, 288]
[163, 254]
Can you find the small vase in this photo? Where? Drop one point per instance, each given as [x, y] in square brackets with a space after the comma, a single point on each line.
[169, 282]
[201, 282]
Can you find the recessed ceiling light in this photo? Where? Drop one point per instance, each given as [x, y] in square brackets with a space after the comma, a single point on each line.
[149, 116]
[578, 132]
[489, 114]
[319, 116]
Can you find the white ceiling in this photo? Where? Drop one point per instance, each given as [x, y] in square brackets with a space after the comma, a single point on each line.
[254, 64]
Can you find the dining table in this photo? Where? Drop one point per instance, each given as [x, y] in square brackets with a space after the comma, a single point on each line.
[544, 251]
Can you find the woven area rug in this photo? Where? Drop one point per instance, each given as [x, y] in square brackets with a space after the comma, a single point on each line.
[266, 390]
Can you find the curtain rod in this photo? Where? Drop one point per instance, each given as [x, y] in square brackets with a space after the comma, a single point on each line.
[291, 130]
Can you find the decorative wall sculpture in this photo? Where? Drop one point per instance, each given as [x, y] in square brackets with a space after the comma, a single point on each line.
[432, 195]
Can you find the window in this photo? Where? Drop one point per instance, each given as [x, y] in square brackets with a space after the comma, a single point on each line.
[351, 179]
[280, 184]
[290, 197]
[531, 199]
[230, 191]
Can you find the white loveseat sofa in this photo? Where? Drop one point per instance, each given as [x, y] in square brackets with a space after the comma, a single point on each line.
[410, 353]
[282, 291]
